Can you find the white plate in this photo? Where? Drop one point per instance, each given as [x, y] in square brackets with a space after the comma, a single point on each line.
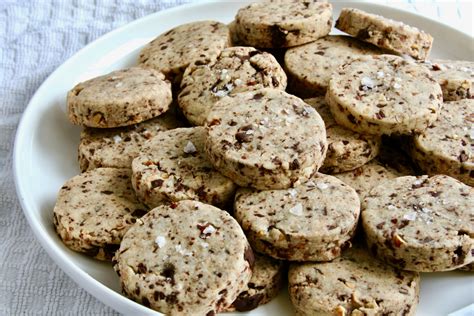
[45, 153]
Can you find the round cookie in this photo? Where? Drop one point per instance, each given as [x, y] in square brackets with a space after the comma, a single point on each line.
[120, 98]
[283, 24]
[313, 221]
[95, 209]
[236, 70]
[173, 166]
[266, 139]
[353, 284]
[384, 94]
[347, 150]
[447, 147]
[310, 66]
[456, 78]
[266, 282]
[364, 178]
[173, 51]
[116, 147]
[385, 33]
[193, 270]
[420, 223]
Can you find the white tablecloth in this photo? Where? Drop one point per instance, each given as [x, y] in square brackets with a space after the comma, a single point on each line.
[36, 36]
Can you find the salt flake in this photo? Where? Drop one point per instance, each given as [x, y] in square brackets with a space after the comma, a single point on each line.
[209, 230]
[117, 139]
[322, 185]
[367, 82]
[189, 148]
[160, 241]
[297, 209]
[380, 74]
[410, 216]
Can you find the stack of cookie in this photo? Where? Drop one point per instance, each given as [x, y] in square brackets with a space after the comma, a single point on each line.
[215, 161]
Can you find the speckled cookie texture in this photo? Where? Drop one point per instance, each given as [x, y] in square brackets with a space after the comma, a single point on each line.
[347, 150]
[95, 209]
[236, 70]
[266, 282]
[311, 222]
[384, 94]
[310, 66]
[266, 139]
[173, 167]
[178, 259]
[364, 178]
[174, 50]
[354, 284]
[116, 147]
[283, 24]
[456, 78]
[420, 223]
[385, 33]
[120, 98]
[447, 147]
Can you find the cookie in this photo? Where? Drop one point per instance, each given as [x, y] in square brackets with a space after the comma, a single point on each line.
[173, 51]
[120, 98]
[266, 139]
[310, 222]
[353, 284]
[266, 282]
[173, 166]
[193, 270]
[420, 223]
[347, 150]
[326, 55]
[116, 147]
[95, 209]
[236, 70]
[364, 178]
[455, 77]
[447, 147]
[283, 24]
[384, 94]
[385, 33]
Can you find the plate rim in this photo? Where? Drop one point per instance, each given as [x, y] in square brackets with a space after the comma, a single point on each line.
[82, 279]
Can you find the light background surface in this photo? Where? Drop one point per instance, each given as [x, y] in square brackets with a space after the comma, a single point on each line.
[35, 38]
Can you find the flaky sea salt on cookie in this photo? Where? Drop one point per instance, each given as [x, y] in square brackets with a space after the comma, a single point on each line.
[456, 78]
[420, 223]
[282, 23]
[174, 50]
[95, 209]
[173, 166]
[384, 94]
[353, 284]
[310, 66]
[116, 147]
[266, 139]
[347, 150]
[236, 70]
[310, 222]
[385, 33]
[120, 98]
[178, 260]
[447, 147]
